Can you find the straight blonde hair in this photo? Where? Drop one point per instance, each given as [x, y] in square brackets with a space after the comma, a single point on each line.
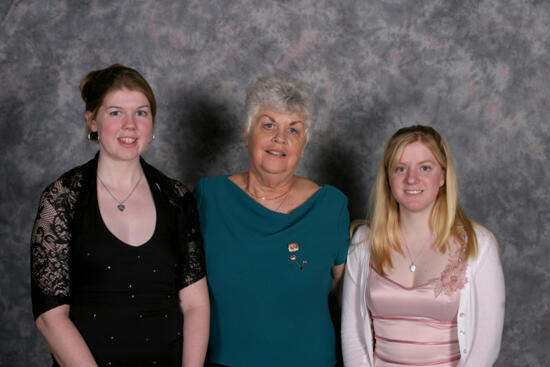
[447, 219]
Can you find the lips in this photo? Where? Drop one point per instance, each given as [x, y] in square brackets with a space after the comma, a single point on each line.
[413, 192]
[127, 140]
[276, 153]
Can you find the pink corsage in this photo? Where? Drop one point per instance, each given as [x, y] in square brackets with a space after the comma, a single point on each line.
[453, 278]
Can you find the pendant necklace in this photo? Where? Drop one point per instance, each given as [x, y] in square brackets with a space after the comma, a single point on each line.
[120, 205]
[412, 266]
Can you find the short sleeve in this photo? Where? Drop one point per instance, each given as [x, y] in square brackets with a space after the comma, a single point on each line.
[191, 247]
[198, 192]
[50, 283]
[343, 231]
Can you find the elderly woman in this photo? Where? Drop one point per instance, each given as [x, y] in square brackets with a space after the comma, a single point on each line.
[424, 284]
[117, 260]
[275, 243]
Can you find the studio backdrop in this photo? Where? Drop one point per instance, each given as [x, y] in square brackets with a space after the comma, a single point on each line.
[477, 71]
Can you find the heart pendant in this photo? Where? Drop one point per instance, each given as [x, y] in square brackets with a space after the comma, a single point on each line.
[121, 207]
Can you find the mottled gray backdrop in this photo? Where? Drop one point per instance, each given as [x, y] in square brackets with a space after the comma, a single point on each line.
[478, 71]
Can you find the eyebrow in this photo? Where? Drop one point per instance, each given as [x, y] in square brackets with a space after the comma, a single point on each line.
[422, 162]
[142, 106]
[291, 123]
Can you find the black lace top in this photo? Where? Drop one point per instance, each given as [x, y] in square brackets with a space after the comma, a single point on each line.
[60, 220]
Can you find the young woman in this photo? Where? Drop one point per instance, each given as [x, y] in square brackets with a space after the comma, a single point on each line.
[423, 283]
[117, 260]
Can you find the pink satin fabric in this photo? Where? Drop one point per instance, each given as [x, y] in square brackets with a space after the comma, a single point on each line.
[411, 326]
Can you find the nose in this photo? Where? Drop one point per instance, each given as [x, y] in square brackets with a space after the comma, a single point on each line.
[280, 137]
[411, 176]
[130, 122]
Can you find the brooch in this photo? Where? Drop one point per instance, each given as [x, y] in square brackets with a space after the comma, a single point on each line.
[294, 247]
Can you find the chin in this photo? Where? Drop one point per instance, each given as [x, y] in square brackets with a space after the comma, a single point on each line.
[416, 208]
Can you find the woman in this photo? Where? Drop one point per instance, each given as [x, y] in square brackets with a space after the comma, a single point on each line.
[275, 243]
[117, 256]
[423, 284]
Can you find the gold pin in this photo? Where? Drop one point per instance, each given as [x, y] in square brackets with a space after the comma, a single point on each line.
[293, 247]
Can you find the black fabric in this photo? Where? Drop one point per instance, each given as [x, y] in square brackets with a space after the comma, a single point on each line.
[123, 299]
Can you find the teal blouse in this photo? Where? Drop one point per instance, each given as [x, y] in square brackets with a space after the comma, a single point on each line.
[269, 275]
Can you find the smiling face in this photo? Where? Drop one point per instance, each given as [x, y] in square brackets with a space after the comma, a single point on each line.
[416, 178]
[124, 123]
[276, 141]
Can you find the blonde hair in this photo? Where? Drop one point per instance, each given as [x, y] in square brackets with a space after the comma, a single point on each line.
[447, 219]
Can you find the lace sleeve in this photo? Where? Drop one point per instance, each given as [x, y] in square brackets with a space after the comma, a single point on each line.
[191, 249]
[50, 248]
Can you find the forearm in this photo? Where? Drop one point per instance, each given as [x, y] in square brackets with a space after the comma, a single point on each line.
[338, 282]
[196, 327]
[195, 307]
[65, 342]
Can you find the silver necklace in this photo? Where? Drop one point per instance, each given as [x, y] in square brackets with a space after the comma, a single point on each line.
[120, 205]
[412, 266]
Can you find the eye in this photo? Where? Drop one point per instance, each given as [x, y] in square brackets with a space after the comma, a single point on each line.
[269, 125]
[293, 131]
[426, 168]
[142, 113]
[114, 113]
[400, 169]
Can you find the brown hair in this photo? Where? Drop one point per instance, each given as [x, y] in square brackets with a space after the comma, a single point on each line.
[98, 83]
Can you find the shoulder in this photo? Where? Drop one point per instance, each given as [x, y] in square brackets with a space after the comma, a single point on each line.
[174, 189]
[330, 193]
[239, 179]
[329, 199]
[71, 180]
[216, 180]
[487, 244]
[360, 232]
[485, 238]
[213, 184]
[359, 247]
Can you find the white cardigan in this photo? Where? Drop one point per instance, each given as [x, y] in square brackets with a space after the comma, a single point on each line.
[480, 313]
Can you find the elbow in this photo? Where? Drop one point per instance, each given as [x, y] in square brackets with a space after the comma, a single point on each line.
[43, 323]
[39, 323]
[52, 318]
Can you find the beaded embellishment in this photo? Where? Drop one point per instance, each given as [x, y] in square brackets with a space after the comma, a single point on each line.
[453, 278]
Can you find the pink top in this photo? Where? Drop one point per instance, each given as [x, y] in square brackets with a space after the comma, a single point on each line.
[412, 327]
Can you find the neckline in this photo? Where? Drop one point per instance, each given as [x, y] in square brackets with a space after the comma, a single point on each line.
[112, 235]
[305, 204]
[399, 284]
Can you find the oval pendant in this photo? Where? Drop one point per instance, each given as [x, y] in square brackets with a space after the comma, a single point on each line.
[412, 268]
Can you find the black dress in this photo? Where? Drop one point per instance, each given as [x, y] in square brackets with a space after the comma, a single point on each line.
[124, 299]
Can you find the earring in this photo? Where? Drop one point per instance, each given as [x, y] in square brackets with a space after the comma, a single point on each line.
[153, 137]
[93, 136]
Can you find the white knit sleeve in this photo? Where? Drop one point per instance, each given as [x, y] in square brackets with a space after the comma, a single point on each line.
[489, 299]
[355, 347]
